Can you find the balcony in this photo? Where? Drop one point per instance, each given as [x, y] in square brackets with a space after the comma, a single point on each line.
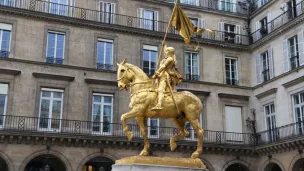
[216, 5]
[52, 60]
[192, 77]
[287, 16]
[114, 19]
[103, 66]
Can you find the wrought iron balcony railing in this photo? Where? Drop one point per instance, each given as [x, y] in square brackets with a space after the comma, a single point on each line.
[218, 5]
[294, 62]
[288, 15]
[52, 60]
[49, 126]
[4, 54]
[231, 81]
[192, 77]
[112, 18]
[104, 66]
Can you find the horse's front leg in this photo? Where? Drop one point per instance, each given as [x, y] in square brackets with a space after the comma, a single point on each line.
[132, 114]
[143, 130]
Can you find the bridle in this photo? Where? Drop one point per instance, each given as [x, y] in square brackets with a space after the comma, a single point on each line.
[123, 75]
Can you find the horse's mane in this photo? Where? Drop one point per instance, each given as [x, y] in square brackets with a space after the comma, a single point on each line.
[138, 71]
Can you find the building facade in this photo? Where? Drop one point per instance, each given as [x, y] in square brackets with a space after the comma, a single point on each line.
[60, 106]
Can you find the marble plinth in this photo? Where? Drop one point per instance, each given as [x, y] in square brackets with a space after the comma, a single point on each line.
[147, 167]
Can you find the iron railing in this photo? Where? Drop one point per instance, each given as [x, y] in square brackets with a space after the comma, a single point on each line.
[218, 5]
[288, 15]
[192, 77]
[4, 54]
[52, 60]
[112, 18]
[106, 129]
[104, 66]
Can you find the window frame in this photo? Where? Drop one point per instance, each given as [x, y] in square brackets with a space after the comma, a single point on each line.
[267, 66]
[2, 125]
[51, 99]
[293, 39]
[104, 48]
[198, 62]
[149, 128]
[150, 48]
[230, 71]
[1, 37]
[299, 130]
[273, 134]
[55, 49]
[107, 15]
[227, 36]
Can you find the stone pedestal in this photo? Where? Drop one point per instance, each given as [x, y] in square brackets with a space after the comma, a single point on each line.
[147, 167]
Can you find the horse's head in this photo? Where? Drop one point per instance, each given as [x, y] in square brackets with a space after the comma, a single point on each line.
[124, 76]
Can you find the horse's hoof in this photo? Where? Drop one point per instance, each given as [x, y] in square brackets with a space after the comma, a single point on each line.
[195, 155]
[130, 136]
[144, 153]
[172, 144]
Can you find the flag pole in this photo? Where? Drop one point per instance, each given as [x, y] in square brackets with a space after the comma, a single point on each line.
[166, 33]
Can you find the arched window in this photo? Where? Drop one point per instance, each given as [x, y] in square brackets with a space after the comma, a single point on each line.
[237, 167]
[45, 162]
[299, 165]
[272, 167]
[98, 164]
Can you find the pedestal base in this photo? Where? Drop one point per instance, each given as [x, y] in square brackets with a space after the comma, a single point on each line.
[146, 167]
[147, 163]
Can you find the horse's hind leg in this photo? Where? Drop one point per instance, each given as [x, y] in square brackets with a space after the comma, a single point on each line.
[143, 130]
[180, 125]
[199, 131]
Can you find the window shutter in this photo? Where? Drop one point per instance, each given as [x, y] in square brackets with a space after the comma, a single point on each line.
[113, 12]
[156, 20]
[221, 29]
[258, 68]
[269, 22]
[257, 29]
[238, 34]
[3, 88]
[140, 15]
[270, 57]
[301, 48]
[71, 8]
[234, 122]
[101, 9]
[197, 2]
[286, 57]
[284, 9]
[299, 7]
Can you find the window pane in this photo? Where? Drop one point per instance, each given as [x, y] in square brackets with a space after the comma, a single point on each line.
[2, 104]
[44, 113]
[107, 99]
[100, 52]
[46, 94]
[6, 38]
[51, 45]
[56, 113]
[302, 97]
[109, 53]
[296, 99]
[96, 113]
[57, 95]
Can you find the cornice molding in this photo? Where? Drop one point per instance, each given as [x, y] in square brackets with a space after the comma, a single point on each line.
[113, 27]
[293, 82]
[103, 82]
[285, 27]
[217, 84]
[257, 12]
[233, 96]
[53, 76]
[9, 71]
[196, 92]
[266, 93]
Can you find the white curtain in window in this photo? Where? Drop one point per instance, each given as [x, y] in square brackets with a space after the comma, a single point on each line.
[233, 116]
[286, 56]
[301, 48]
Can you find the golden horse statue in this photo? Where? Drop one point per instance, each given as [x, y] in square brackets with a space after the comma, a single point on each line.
[144, 97]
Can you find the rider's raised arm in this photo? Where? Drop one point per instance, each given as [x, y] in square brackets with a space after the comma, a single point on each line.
[163, 66]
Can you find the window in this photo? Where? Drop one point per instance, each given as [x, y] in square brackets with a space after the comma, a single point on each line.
[5, 39]
[3, 103]
[148, 19]
[298, 108]
[291, 9]
[194, 21]
[50, 111]
[59, 7]
[233, 117]
[55, 47]
[265, 66]
[105, 54]
[263, 2]
[102, 113]
[293, 49]
[190, 2]
[269, 111]
[229, 32]
[227, 5]
[231, 71]
[7, 2]
[153, 127]
[149, 59]
[191, 66]
[263, 29]
[107, 14]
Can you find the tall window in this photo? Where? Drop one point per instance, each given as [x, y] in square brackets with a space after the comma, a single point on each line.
[191, 65]
[227, 5]
[231, 68]
[294, 52]
[264, 27]
[229, 32]
[59, 7]
[190, 2]
[5, 39]
[50, 112]
[148, 19]
[7, 2]
[265, 66]
[153, 127]
[55, 47]
[105, 54]
[107, 14]
[298, 107]
[149, 59]
[102, 113]
[3, 103]
[269, 111]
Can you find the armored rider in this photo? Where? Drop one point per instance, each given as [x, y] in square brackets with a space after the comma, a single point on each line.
[166, 76]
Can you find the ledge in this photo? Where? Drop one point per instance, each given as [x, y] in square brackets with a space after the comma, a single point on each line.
[10, 71]
[221, 95]
[266, 93]
[293, 82]
[217, 84]
[104, 82]
[53, 76]
[196, 92]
